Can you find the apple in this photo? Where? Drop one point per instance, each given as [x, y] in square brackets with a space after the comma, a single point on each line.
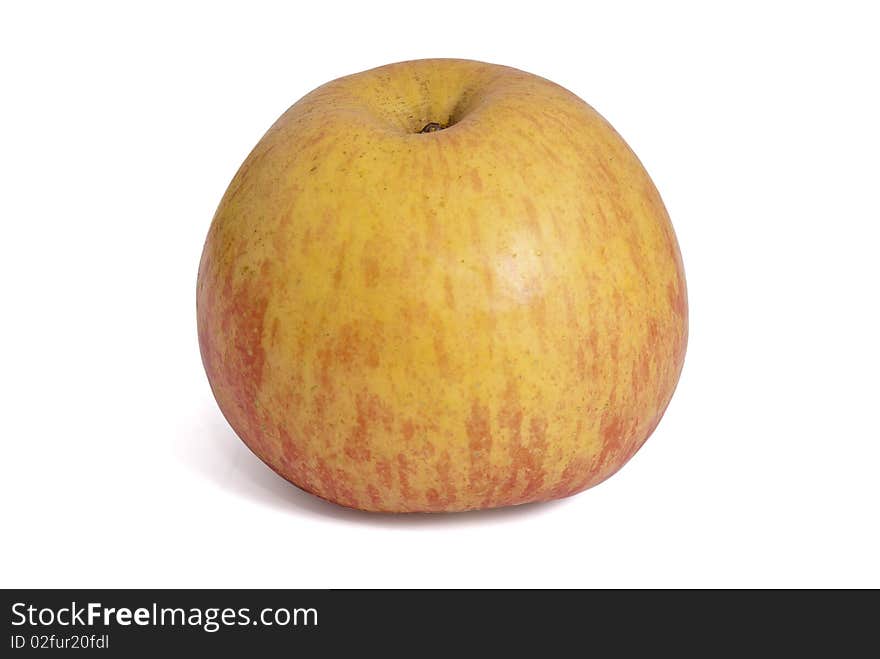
[442, 285]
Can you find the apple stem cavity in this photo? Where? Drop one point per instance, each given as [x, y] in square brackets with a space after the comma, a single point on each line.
[432, 127]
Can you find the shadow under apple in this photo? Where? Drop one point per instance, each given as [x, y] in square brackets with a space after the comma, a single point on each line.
[214, 451]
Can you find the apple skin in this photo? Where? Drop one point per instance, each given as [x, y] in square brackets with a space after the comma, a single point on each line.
[486, 315]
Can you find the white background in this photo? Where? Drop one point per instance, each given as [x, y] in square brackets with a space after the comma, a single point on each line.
[119, 131]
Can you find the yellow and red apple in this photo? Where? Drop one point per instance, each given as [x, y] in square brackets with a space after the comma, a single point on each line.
[442, 285]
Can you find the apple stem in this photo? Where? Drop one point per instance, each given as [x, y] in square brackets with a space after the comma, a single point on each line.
[432, 127]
